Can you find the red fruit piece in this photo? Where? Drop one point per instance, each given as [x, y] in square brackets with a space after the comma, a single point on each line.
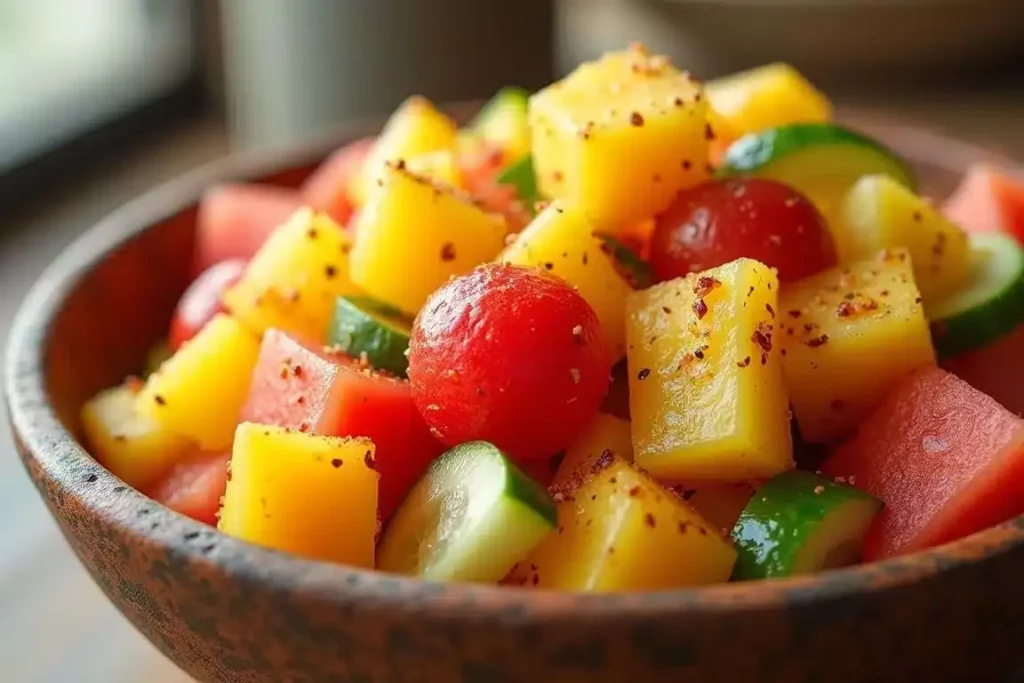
[508, 355]
[195, 487]
[201, 301]
[988, 199]
[327, 189]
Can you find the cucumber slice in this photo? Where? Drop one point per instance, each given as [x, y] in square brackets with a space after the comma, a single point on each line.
[362, 325]
[471, 517]
[987, 307]
[503, 121]
[633, 269]
[822, 160]
[520, 175]
[799, 523]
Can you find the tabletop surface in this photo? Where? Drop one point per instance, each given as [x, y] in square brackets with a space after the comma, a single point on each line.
[55, 625]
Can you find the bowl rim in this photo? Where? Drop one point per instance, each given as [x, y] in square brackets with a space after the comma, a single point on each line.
[65, 465]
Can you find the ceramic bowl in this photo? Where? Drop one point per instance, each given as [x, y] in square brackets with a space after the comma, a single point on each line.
[226, 611]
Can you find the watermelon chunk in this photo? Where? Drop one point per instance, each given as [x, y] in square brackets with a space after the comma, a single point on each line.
[946, 460]
[195, 487]
[327, 189]
[988, 199]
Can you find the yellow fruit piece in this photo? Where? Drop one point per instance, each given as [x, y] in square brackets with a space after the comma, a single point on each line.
[705, 379]
[561, 240]
[199, 391]
[315, 496]
[764, 97]
[620, 137]
[606, 433]
[416, 127]
[621, 531]
[440, 166]
[413, 235]
[292, 282]
[848, 334]
[721, 505]
[132, 446]
[879, 213]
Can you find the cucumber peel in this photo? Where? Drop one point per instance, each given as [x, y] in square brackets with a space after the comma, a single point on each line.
[365, 326]
[503, 120]
[471, 517]
[521, 176]
[634, 269]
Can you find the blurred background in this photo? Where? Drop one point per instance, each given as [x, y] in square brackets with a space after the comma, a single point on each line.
[102, 99]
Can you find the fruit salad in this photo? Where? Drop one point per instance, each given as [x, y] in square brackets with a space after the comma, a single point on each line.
[630, 332]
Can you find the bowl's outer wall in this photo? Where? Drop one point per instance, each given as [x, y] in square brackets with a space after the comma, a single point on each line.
[226, 612]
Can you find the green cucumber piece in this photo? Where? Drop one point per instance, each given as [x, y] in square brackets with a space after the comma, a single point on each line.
[503, 120]
[799, 523]
[822, 160]
[364, 326]
[520, 175]
[633, 269]
[471, 517]
[988, 307]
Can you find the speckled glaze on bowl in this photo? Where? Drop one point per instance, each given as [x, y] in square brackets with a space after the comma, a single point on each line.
[226, 611]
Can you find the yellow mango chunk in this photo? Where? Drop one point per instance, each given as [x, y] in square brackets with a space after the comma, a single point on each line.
[312, 495]
[721, 505]
[620, 137]
[199, 391]
[879, 213]
[706, 394]
[413, 235]
[621, 531]
[416, 127]
[606, 434]
[764, 97]
[132, 446]
[292, 282]
[440, 166]
[561, 240]
[847, 336]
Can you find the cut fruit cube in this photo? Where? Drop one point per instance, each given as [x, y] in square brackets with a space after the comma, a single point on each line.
[292, 282]
[947, 460]
[472, 517]
[413, 235]
[607, 434]
[620, 137]
[440, 166]
[707, 398]
[848, 335]
[315, 496]
[134, 447]
[327, 189]
[199, 391]
[561, 240]
[502, 122]
[988, 199]
[195, 486]
[722, 505]
[416, 128]
[621, 531]
[880, 213]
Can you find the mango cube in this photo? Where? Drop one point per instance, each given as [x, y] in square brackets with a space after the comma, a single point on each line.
[707, 398]
[561, 240]
[132, 446]
[606, 434]
[440, 166]
[879, 213]
[312, 495]
[413, 235]
[620, 137]
[621, 531]
[848, 334]
[292, 282]
[199, 391]
[416, 127]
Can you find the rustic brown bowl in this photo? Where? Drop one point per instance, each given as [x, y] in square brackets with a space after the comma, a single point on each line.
[225, 610]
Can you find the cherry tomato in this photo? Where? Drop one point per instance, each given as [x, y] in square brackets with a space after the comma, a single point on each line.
[722, 220]
[201, 301]
[509, 355]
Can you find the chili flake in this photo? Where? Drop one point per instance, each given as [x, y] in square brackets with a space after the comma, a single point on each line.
[700, 308]
[794, 313]
[448, 252]
[643, 374]
[329, 272]
[636, 118]
[771, 311]
[705, 283]
[650, 521]
[743, 363]
[336, 463]
[160, 400]
[817, 341]
[370, 462]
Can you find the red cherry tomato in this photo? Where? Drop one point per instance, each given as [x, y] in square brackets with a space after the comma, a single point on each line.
[201, 301]
[509, 355]
[723, 220]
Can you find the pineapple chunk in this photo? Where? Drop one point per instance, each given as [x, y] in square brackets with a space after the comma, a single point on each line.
[440, 166]
[879, 213]
[620, 137]
[606, 434]
[621, 531]
[561, 240]
[705, 380]
[416, 128]
[133, 447]
[847, 335]
[764, 97]
[315, 496]
[199, 391]
[413, 235]
[292, 282]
